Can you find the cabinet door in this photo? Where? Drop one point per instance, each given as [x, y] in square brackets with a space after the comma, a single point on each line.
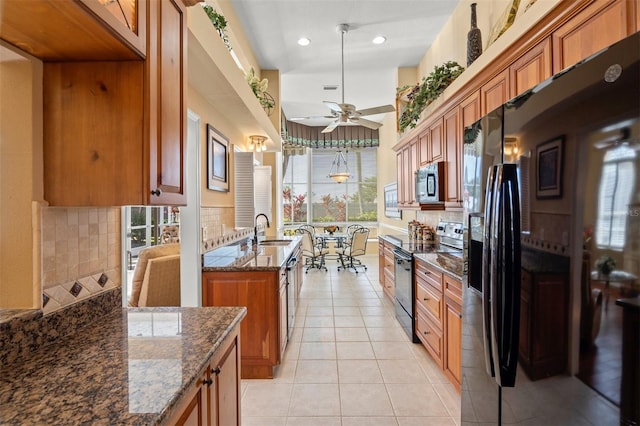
[596, 27]
[193, 411]
[412, 168]
[128, 19]
[227, 390]
[400, 178]
[531, 68]
[423, 148]
[453, 141]
[453, 342]
[470, 110]
[166, 101]
[436, 141]
[258, 292]
[495, 92]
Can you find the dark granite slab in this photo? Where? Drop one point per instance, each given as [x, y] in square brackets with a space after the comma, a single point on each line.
[128, 367]
[541, 262]
[241, 257]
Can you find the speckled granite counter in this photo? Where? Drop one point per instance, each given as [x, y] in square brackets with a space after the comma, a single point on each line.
[447, 263]
[241, 257]
[129, 367]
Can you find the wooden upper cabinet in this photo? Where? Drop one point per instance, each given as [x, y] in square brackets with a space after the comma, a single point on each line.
[436, 141]
[495, 92]
[54, 30]
[531, 68]
[165, 92]
[400, 178]
[453, 140]
[423, 148]
[597, 26]
[114, 132]
[470, 110]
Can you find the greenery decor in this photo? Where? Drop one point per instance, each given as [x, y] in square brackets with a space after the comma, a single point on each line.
[426, 92]
[219, 23]
[259, 88]
[605, 264]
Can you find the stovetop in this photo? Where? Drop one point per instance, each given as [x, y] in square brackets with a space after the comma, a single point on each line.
[448, 240]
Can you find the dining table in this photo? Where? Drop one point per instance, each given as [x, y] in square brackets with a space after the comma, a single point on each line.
[627, 280]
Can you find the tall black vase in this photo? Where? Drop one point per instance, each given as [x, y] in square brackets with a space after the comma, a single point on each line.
[474, 38]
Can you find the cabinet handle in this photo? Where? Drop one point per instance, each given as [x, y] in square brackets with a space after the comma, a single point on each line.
[426, 332]
[215, 371]
[427, 272]
[156, 192]
[426, 298]
[207, 382]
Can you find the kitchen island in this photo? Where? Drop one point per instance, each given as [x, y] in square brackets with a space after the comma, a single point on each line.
[267, 281]
[132, 366]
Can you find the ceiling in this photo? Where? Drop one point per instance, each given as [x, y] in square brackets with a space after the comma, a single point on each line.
[273, 28]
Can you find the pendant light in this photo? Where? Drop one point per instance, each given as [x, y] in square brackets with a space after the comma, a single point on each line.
[339, 170]
[258, 143]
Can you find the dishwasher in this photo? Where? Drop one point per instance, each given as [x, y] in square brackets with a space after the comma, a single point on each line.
[403, 270]
[292, 286]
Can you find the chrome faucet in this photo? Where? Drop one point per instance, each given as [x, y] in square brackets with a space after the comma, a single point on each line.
[255, 228]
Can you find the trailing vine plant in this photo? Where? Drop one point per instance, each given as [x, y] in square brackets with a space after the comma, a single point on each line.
[426, 92]
[219, 23]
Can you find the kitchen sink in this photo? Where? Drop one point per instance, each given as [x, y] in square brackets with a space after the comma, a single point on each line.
[275, 242]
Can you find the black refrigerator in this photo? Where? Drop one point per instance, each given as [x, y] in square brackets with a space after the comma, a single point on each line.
[539, 172]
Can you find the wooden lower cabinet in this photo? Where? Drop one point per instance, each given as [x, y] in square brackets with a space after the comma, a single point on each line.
[453, 330]
[214, 400]
[389, 273]
[544, 325]
[438, 318]
[262, 328]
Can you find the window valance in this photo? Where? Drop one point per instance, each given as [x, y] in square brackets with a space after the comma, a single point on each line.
[342, 137]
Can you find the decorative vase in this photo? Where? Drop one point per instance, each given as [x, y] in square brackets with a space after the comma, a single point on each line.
[474, 38]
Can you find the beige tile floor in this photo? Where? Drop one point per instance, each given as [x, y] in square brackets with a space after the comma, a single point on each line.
[349, 363]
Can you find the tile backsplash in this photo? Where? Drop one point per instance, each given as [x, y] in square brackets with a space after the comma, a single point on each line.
[80, 253]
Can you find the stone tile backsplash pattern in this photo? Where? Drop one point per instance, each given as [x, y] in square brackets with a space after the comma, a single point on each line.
[79, 245]
[218, 227]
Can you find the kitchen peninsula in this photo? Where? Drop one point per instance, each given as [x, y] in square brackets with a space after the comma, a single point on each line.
[132, 366]
[266, 279]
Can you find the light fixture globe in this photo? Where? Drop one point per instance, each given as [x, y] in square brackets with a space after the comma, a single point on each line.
[339, 171]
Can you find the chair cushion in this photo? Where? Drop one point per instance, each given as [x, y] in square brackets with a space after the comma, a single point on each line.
[141, 267]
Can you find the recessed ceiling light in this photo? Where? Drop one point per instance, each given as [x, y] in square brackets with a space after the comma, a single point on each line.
[379, 40]
[303, 41]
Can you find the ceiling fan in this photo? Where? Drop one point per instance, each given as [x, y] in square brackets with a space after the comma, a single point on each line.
[347, 113]
[620, 138]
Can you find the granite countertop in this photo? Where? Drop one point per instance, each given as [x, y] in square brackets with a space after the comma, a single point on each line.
[129, 367]
[410, 245]
[446, 262]
[242, 257]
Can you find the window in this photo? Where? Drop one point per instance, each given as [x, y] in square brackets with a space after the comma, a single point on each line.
[614, 195]
[311, 196]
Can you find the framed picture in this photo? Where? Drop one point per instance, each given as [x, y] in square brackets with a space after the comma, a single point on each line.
[217, 160]
[391, 201]
[549, 171]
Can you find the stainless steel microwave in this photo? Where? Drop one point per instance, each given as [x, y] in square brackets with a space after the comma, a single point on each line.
[430, 184]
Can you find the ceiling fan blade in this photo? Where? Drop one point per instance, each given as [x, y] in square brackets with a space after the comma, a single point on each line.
[376, 110]
[333, 106]
[312, 117]
[366, 123]
[331, 127]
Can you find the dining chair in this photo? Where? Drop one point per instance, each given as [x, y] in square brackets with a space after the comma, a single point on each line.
[314, 255]
[317, 241]
[357, 246]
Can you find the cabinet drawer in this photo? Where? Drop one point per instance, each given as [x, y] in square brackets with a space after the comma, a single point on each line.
[453, 289]
[429, 274]
[430, 336]
[430, 300]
